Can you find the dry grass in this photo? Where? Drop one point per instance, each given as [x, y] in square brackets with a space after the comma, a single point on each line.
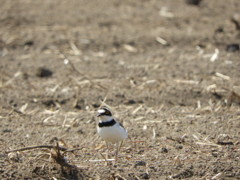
[163, 71]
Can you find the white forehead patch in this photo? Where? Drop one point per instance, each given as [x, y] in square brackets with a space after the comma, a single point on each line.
[100, 111]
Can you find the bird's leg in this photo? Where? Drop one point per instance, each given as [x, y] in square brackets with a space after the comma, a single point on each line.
[106, 158]
[120, 145]
[107, 150]
[116, 153]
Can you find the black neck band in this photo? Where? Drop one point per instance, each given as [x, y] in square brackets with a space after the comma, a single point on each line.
[107, 123]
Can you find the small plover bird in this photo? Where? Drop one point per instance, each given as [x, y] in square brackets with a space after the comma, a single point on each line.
[110, 129]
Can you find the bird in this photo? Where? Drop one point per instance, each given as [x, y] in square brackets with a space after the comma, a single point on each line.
[110, 130]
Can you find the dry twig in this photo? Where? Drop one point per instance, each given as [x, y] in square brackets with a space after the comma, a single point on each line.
[36, 147]
[80, 73]
[59, 157]
[44, 147]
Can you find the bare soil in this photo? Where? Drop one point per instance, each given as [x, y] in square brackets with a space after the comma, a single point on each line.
[164, 67]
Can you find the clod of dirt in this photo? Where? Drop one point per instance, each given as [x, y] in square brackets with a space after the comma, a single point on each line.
[6, 130]
[164, 150]
[179, 146]
[29, 43]
[80, 131]
[118, 177]
[96, 105]
[145, 176]
[15, 157]
[140, 163]
[54, 139]
[193, 2]
[225, 143]
[233, 97]
[38, 170]
[224, 139]
[49, 103]
[43, 72]
[120, 95]
[219, 30]
[232, 47]
[79, 104]
[187, 173]
[130, 101]
[214, 153]
[140, 151]
[217, 95]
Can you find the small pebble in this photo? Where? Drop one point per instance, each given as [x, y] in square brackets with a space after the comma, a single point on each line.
[7, 131]
[232, 47]
[164, 150]
[193, 2]
[49, 103]
[96, 105]
[179, 146]
[144, 176]
[29, 43]
[131, 101]
[43, 72]
[214, 154]
[140, 163]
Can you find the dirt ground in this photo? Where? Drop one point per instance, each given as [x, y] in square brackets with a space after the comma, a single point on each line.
[166, 68]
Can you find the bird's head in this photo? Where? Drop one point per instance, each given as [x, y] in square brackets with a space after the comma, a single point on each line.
[104, 114]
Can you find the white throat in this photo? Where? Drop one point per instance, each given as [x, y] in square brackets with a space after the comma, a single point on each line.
[105, 118]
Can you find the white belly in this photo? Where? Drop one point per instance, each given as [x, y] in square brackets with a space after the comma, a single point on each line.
[113, 133]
